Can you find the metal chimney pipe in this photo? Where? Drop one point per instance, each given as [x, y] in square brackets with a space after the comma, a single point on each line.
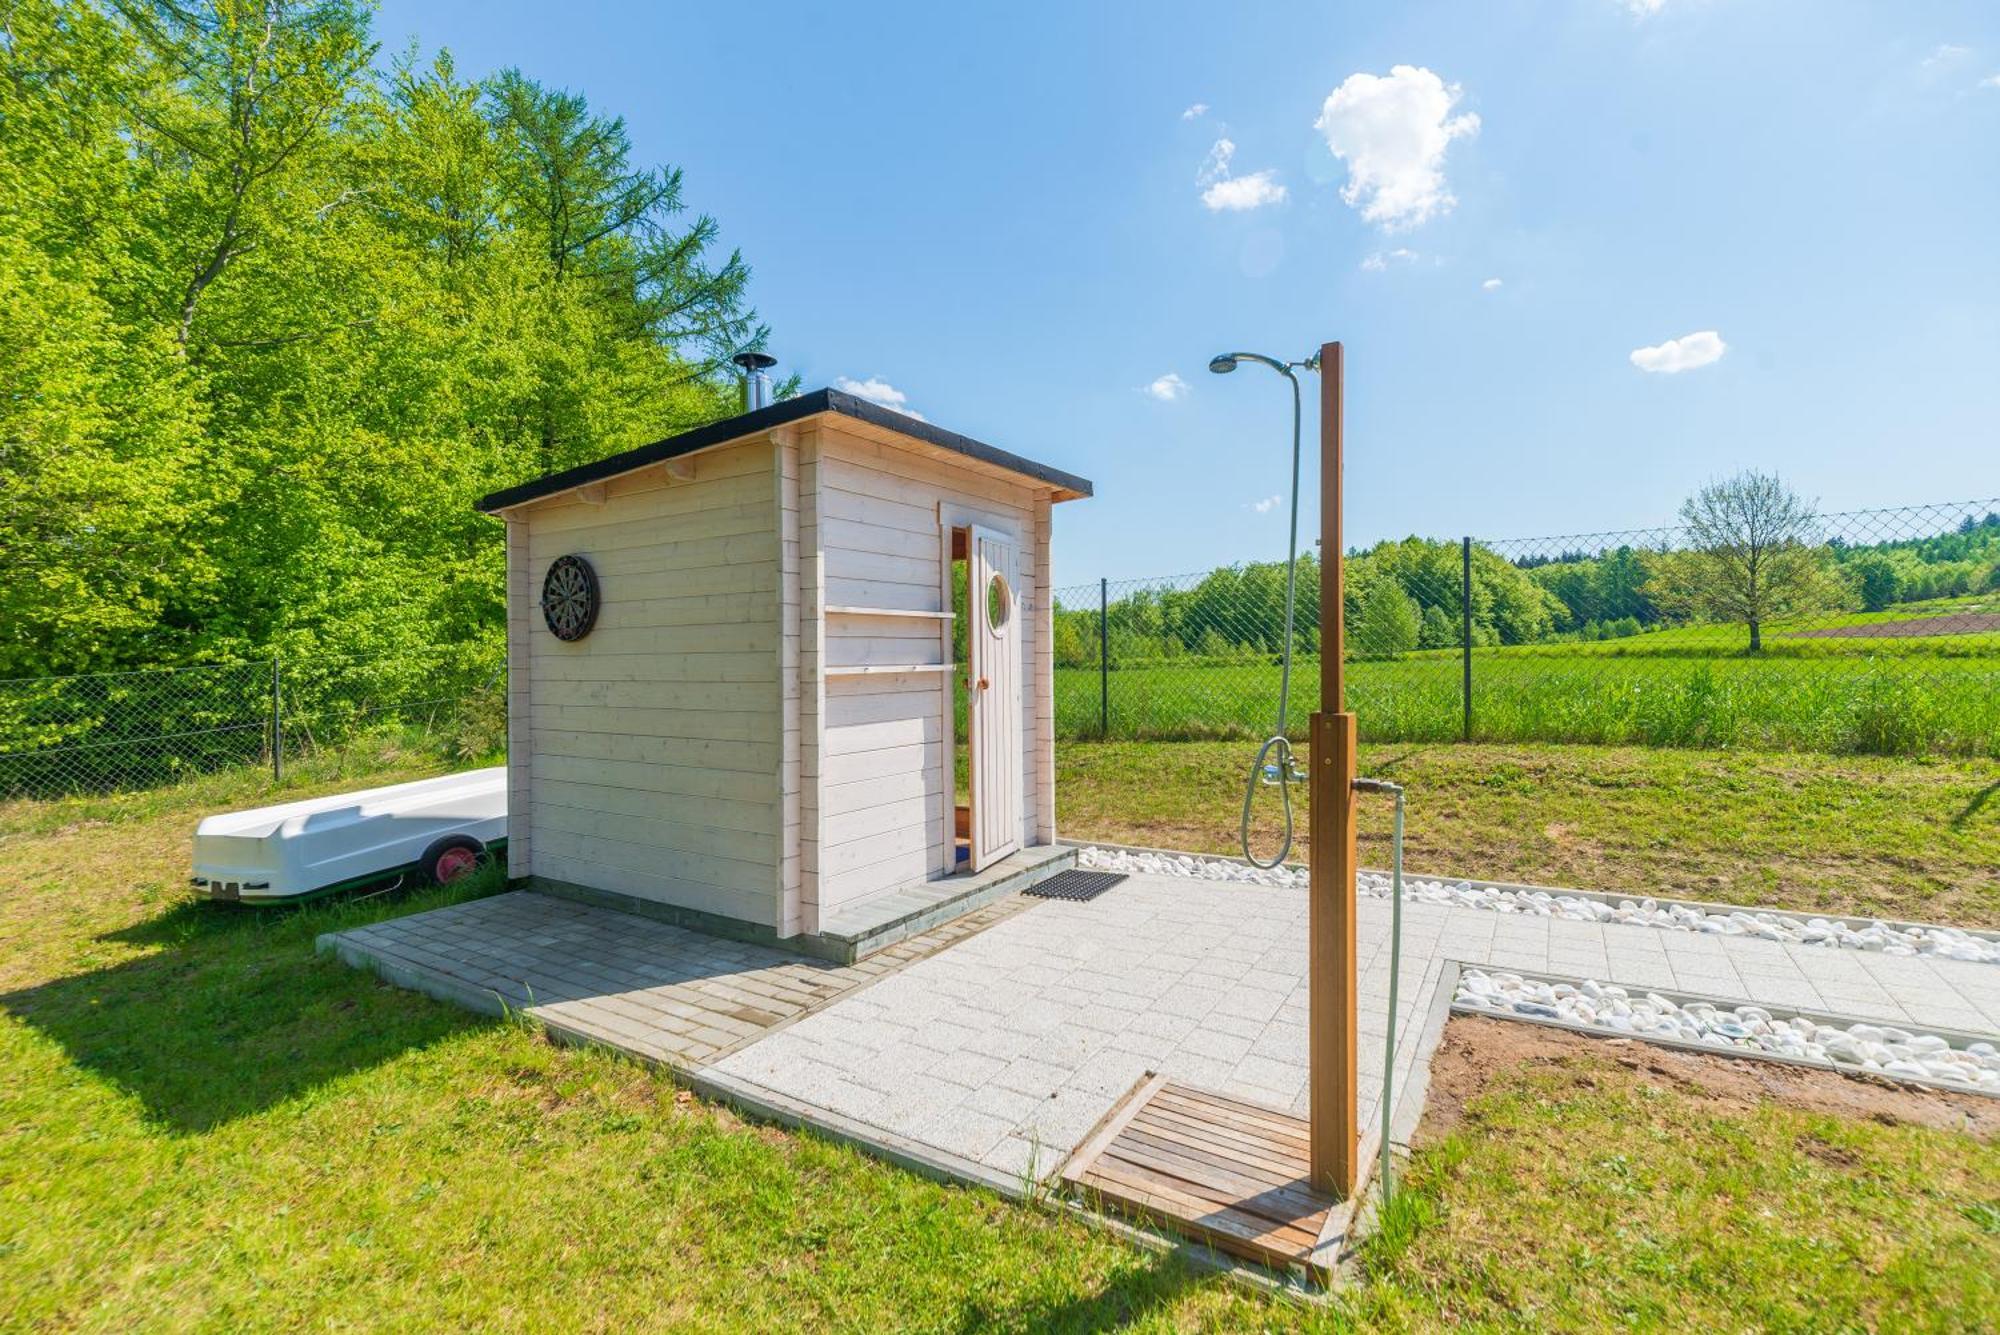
[756, 379]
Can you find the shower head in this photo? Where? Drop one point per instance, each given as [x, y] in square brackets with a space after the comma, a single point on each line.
[1225, 362]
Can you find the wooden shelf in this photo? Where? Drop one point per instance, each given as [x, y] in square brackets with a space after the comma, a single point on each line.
[889, 612]
[888, 669]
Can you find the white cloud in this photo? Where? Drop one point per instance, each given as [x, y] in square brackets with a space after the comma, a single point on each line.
[1382, 259]
[1990, 81]
[877, 390]
[1946, 53]
[1244, 192]
[1645, 9]
[1392, 132]
[1168, 388]
[1195, 112]
[1215, 167]
[1232, 194]
[1685, 353]
[1265, 506]
[1490, 285]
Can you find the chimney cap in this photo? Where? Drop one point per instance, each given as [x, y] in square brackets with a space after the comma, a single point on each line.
[755, 361]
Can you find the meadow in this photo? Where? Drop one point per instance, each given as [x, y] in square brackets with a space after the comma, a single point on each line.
[1882, 694]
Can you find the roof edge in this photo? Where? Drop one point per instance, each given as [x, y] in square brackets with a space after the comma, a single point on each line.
[767, 419]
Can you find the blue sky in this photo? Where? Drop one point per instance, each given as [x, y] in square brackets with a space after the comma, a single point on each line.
[1015, 218]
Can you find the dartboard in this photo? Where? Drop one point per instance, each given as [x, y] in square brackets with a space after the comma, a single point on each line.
[569, 598]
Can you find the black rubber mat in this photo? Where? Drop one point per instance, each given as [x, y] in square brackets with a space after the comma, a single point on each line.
[1075, 885]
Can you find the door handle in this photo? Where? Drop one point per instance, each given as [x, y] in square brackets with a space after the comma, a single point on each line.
[983, 683]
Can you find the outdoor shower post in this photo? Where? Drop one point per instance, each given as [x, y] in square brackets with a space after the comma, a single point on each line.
[1103, 659]
[1465, 628]
[1331, 1042]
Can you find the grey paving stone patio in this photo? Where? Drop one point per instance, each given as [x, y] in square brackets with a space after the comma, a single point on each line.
[662, 992]
[1004, 1036]
[1008, 1047]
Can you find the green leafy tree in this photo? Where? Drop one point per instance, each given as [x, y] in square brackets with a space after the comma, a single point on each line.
[1877, 581]
[272, 319]
[1753, 556]
[1439, 631]
[1389, 622]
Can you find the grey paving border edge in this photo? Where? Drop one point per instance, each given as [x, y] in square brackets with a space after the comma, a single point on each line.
[1613, 898]
[1745, 1054]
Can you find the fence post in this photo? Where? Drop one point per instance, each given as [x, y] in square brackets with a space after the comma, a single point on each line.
[1465, 628]
[277, 722]
[1103, 660]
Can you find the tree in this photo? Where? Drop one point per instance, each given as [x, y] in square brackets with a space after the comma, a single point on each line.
[1389, 622]
[1439, 630]
[1753, 555]
[1877, 580]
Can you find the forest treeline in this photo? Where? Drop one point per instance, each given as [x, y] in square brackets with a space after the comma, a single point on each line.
[275, 309]
[1408, 595]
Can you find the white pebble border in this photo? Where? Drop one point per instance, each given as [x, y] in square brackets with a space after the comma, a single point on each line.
[1858, 1046]
[1791, 929]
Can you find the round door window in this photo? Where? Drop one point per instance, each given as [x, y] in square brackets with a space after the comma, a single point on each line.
[569, 598]
[999, 602]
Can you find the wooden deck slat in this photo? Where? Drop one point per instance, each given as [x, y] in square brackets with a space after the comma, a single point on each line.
[1222, 1137]
[1231, 1173]
[1278, 1125]
[1278, 1207]
[1199, 1209]
[1261, 1159]
[1222, 1123]
[1215, 1169]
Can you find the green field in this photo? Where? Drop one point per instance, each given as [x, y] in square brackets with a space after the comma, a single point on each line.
[1615, 693]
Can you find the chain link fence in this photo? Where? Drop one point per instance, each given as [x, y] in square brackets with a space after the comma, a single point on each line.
[100, 732]
[1874, 631]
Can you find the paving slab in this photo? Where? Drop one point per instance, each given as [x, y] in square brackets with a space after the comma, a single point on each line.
[1204, 982]
[666, 993]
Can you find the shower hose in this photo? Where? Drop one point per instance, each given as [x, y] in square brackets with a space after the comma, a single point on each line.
[1274, 763]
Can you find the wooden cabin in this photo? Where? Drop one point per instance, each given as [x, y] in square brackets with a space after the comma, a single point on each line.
[732, 681]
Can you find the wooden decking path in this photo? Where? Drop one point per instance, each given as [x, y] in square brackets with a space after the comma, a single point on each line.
[1229, 1172]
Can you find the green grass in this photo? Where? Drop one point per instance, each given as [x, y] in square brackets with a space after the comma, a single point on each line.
[1587, 693]
[203, 1126]
[1866, 835]
[1664, 1207]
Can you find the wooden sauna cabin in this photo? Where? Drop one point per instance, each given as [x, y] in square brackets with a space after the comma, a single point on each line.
[732, 681]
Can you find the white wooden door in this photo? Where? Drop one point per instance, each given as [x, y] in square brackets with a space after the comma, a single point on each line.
[993, 644]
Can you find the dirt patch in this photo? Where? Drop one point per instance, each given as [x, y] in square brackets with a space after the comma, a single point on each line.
[1475, 1048]
[1956, 623]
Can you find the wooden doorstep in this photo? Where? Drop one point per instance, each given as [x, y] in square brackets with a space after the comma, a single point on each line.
[1231, 1173]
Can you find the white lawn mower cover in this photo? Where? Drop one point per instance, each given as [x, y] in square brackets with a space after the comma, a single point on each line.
[301, 848]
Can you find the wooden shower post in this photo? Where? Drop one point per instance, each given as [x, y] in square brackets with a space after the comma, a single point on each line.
[1335, 1140]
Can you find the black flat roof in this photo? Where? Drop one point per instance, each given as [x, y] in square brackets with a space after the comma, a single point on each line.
[778, 414]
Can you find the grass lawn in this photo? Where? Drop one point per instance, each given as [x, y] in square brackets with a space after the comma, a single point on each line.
[1863, 835]
[1586, 1185]
[203, 1126]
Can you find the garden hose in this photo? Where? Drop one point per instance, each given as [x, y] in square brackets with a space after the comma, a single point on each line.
[1285, 770]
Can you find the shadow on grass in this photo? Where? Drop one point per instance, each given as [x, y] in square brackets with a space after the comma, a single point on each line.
[233, 1013]
[1979, 800]
[1129, 1297]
